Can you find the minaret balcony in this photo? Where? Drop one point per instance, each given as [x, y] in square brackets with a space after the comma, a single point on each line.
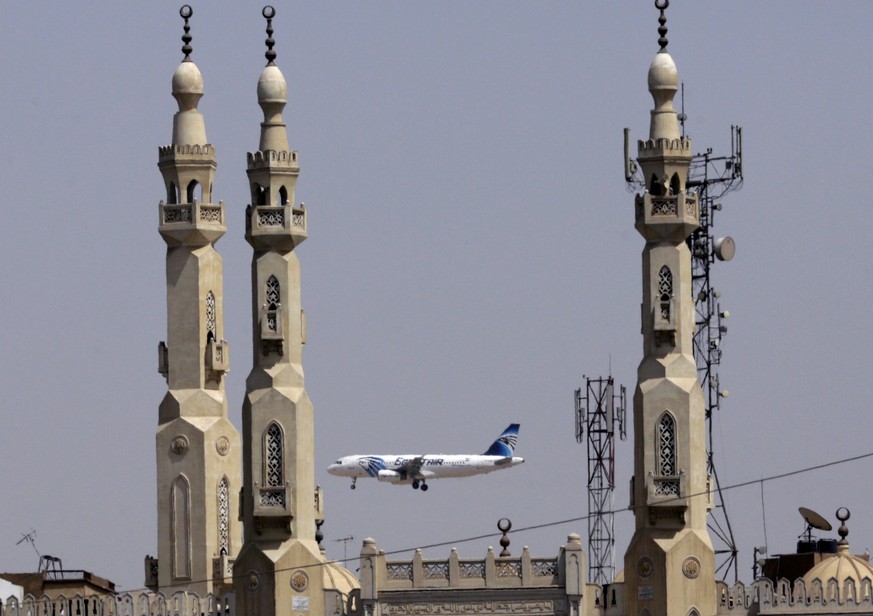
[667, 217]
[191, 224]
[272, 507]
[222, 570]
[218, 356]
[667, 492]
[276, 226]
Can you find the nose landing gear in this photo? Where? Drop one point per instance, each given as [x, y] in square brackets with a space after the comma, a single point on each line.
[354, 479]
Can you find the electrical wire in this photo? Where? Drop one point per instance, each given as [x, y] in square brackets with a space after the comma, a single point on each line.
[743, 484]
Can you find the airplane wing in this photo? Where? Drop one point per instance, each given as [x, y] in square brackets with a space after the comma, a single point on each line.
[412, 468]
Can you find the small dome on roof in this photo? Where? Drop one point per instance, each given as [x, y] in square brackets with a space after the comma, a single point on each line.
[841, 567]
[336, 577]
[844, 565]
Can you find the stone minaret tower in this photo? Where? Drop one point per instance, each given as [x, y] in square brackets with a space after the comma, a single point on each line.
[198, 449]
[278, 570]
[669, 565]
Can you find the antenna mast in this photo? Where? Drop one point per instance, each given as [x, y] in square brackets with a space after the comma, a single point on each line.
[712, 177]
[598, 413]
[31, 539]
[345, 542]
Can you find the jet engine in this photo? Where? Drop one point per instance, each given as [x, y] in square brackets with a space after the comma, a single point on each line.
[389, 476]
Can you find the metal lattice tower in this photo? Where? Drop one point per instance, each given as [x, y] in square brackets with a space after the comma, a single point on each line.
[712, 177]
[599, 412]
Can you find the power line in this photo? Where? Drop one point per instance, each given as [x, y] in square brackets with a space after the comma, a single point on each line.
[532, 527]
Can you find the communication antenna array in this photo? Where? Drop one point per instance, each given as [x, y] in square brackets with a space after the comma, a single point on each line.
[712, 177]
[600, 413]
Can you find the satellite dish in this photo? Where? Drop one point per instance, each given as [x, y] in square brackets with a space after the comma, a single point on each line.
[724, 248]
[814, 520]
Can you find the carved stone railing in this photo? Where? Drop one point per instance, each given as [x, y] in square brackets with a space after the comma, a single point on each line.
[276, 226]
[127, 604]
[194, 224]
[829, 597]
[491, 586]
[493, 571]
[666, 216]
[191, 213]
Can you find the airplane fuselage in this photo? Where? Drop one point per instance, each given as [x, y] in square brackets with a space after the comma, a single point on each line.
[418, 469]
[394, 468]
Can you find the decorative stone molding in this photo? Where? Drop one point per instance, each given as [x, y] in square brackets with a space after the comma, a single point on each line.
[179, 444]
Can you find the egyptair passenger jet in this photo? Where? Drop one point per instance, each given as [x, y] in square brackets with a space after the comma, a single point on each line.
[417, 469]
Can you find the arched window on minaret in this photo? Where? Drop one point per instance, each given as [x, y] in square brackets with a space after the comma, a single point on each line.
[272, 292]
[172, 194]
[665, 292]
[274, 469]
[210, 317]
[674, 184]
[666, 440]
[693, 612]
[656, 186]
[224, 517]
[180, 512]
[194, 192]
[272, 296]
[259, 195]
[283, 196]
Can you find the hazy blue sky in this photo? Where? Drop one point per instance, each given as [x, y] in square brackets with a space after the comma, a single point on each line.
[471, 252]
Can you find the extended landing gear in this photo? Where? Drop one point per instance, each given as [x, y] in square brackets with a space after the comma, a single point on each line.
[354, 479]
[416, 484]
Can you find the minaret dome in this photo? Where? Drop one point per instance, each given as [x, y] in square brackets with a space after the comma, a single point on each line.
[663, 84]
[272, 95]
[189, 127]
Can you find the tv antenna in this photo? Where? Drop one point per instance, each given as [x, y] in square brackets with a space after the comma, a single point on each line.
[345, 542]
[31, 539]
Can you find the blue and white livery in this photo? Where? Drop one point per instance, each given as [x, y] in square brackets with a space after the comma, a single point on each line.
[417, 469]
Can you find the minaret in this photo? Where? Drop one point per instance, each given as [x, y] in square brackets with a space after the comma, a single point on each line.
[669, 565]
[198, 449]
[279, 568]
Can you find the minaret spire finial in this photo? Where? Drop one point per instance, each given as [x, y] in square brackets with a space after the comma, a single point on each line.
[269, 12]
[843, 514]
[186, 11]
[662, 5]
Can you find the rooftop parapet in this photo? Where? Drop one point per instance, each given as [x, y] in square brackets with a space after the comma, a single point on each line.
[522, 584]
[127, 604]
[828, 597]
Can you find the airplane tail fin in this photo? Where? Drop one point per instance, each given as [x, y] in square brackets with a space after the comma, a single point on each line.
[505, 444]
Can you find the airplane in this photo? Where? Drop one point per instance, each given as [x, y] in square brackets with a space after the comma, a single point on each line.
[417, 469]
